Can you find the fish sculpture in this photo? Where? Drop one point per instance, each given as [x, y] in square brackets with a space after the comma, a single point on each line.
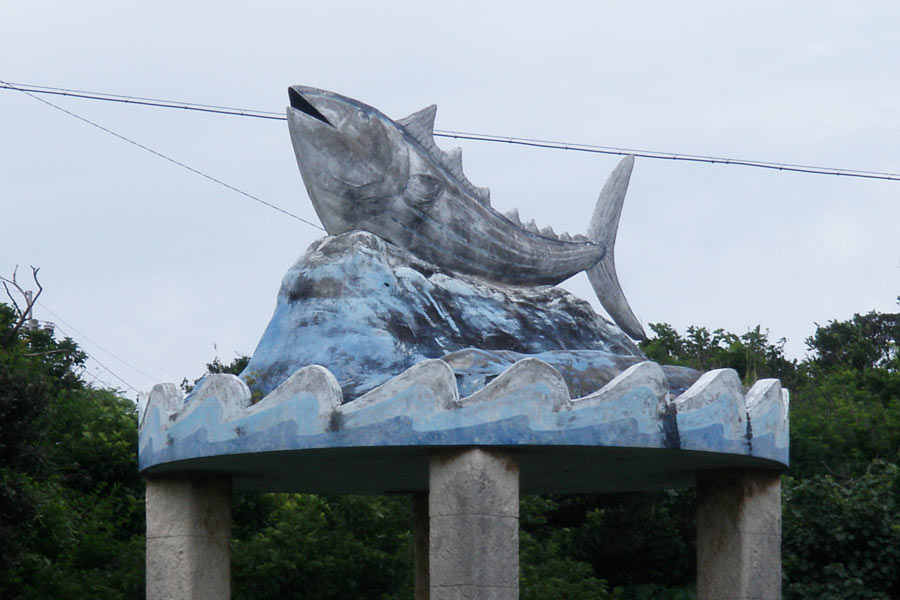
[364, 171]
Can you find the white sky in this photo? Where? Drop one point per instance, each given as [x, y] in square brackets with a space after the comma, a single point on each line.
[167, 270]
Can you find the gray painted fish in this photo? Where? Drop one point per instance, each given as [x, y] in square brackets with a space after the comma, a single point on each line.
[364, 171]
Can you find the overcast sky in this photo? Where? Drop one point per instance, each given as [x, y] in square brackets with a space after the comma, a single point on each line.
[166, 270]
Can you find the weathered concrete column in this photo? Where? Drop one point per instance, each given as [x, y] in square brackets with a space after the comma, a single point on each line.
[421, 541]
[739, 535]
[188, 529]
[473, 507]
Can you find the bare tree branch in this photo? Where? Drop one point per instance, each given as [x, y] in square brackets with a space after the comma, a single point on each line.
[34, 272]
[15, 285]
[23, 315]
[11, 298]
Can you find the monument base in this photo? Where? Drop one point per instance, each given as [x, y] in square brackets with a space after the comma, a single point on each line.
[188, 531]
[739, 535]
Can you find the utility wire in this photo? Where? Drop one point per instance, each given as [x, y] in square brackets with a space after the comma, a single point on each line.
[27, 92]
[94, 358]
[157, 102]
[672, 156]
[72, 327]
[535, 143]
[95, 378]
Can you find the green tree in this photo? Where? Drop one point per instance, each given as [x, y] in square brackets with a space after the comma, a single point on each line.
[842, 420]
[624, 546]
[842, 538]
[71, 512]
[751, 354]
[846, 410]
[327, 547]
[864, 342]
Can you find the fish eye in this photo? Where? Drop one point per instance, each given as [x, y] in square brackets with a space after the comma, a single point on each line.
[363, 116]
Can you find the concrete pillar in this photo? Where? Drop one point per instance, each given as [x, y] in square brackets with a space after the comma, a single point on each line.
[739, 535]
[188, 529]
[420, 541]
[473, 507]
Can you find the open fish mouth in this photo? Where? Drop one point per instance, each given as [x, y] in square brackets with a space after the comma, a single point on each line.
[366, 171]
[298, 102]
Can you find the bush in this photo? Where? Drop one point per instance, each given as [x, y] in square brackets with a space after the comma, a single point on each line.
[842, 539]
[327, 548]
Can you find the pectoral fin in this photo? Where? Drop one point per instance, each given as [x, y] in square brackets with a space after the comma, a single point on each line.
[423, 189]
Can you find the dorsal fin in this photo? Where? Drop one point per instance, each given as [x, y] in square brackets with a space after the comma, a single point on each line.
[454, 160]
[420, 125]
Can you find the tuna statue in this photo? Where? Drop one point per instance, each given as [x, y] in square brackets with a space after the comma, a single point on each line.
[364, 171]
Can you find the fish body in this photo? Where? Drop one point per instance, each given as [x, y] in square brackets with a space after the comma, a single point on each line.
[365, 171]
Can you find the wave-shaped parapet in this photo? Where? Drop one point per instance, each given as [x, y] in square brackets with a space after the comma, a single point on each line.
[527, 405]
[583, 370]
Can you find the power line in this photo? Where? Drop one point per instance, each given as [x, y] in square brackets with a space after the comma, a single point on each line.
[72, 327]
[94, 358]
[29, 93]
[95, 378]
[142, 101]
[535, 143]
[795, 168]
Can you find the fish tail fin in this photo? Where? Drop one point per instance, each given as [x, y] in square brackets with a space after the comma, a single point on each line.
[603, 228]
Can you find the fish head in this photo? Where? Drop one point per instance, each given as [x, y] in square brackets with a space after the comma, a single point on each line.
[353, 158]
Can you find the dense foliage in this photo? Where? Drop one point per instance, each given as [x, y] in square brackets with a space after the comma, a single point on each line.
[341, 547]
[841, 520]
[71, 511]
[842, 539]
